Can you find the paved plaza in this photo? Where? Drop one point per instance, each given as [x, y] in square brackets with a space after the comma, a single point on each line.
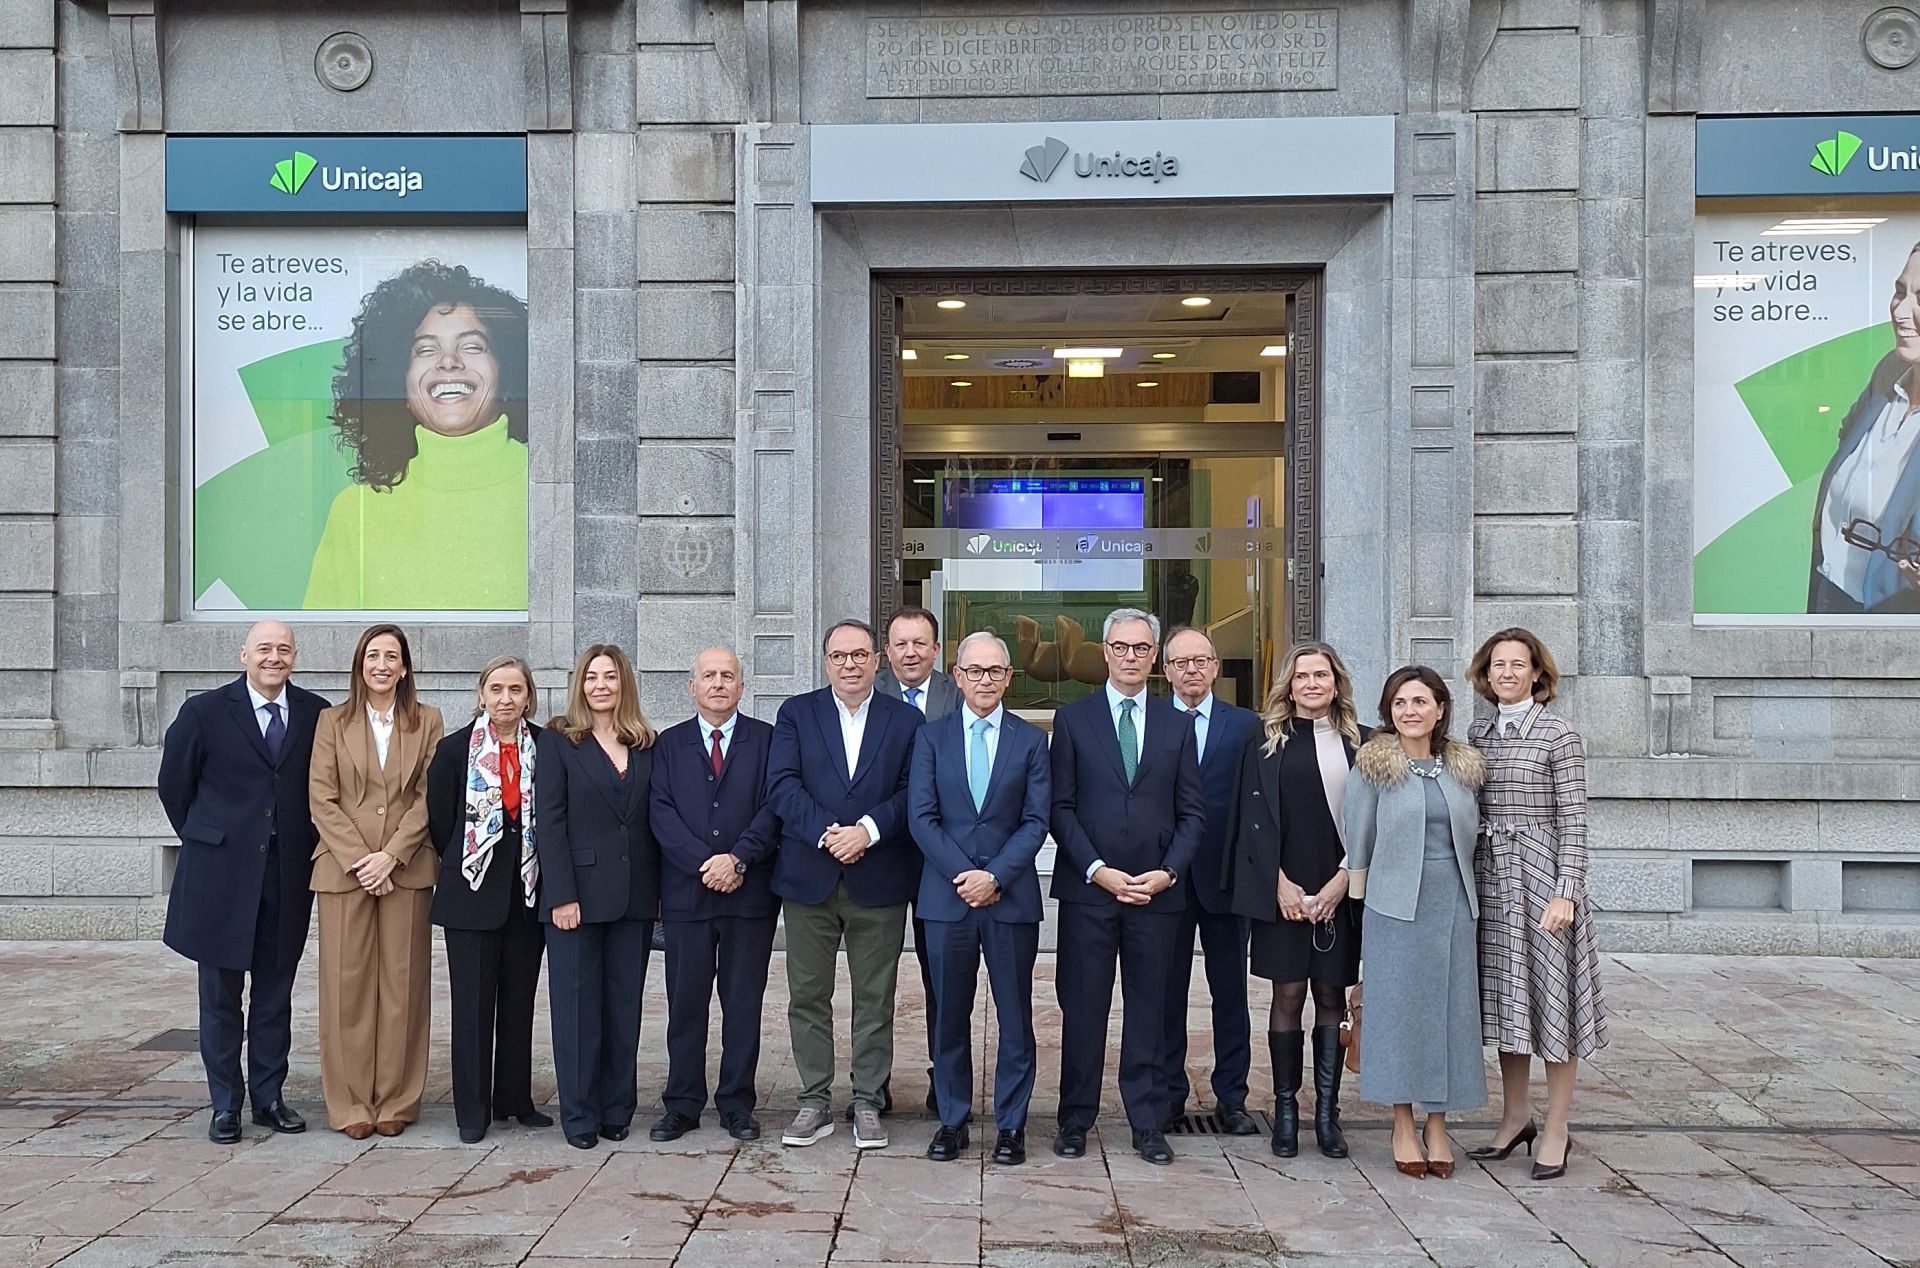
[1754, 1112]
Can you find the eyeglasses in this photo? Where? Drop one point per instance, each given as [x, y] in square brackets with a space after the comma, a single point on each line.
[858, 656]
[992, 673]
[1124, 650]
[1866, 535]
[1184, 663]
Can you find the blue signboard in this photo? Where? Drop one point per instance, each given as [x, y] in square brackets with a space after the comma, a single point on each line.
[1825, 154]
[302, 175]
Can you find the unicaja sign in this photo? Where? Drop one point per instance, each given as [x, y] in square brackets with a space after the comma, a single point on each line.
[290, 176]
[1041, 161]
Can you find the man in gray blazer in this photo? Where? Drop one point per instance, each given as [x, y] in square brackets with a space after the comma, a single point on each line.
[913, 653]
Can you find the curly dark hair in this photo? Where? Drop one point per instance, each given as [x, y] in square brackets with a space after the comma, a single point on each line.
[369, 387]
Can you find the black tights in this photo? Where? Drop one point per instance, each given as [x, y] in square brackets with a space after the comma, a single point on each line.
[1290, 1001]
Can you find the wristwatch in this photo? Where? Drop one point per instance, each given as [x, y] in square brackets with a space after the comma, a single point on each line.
[739, 867]
[1173, 877]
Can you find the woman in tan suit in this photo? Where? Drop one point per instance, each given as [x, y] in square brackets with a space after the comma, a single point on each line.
[373, 873]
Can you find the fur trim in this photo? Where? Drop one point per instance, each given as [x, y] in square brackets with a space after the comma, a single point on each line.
[1382, 761]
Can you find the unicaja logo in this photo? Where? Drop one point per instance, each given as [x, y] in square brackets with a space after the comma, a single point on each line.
[977, 544]
[289, 174]
[1044, 160]
[1832, 156]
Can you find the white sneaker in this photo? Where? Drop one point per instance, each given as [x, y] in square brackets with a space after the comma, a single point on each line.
[867, 1130]
[813, 1123]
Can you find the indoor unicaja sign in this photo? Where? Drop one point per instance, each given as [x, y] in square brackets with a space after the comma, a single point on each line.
[408, 175]
[1807, 154]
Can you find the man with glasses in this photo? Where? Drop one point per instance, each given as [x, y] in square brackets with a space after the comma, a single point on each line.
[1127, 818]
[837, 777]
[1220, 733]
[977, 800]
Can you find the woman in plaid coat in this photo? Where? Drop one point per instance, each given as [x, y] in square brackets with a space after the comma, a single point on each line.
[1539, 968]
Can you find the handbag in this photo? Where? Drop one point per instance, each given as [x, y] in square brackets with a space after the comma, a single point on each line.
[1350, 1030]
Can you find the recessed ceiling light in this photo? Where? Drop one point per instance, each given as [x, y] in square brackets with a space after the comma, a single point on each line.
[1070, 354]
[951, 304]
[956, 356]
[1019, 363]
[961, 383]
[1148, 383]
[1086, 368]
[1196, 301]
[909, 355]
[1274, 350]
[1165, 356]
[923, 480]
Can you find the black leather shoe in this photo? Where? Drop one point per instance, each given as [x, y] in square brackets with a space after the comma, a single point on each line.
[672, 1126]
[281, 1117]
[225, 1127]
[1071, 1142]
[1010, 1150]
[610, 1132]
[585, 1140]
[1235, 1121]
[948, 1143]
[1175, 1113]
[532, 1118]
[472, 1135]
[1153, 1147]
[741, 1125]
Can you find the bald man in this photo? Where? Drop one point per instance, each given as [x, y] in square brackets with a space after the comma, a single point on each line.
[233, 779]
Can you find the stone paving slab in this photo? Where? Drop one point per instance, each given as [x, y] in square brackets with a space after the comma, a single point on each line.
[1750, 1113]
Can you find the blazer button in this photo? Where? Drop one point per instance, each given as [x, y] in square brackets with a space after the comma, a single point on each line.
[380, 810]
[716, 805]
[716, 832]
[623, 858]
[269, 814]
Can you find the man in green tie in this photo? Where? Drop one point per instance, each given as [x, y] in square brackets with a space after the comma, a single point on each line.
[1128, 812]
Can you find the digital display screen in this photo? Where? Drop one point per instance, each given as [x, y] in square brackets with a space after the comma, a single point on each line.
[1080, 504]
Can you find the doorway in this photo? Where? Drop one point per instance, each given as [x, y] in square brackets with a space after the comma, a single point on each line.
[1056, 445]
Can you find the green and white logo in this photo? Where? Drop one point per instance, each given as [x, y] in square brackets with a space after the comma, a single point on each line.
[1832, 156]
[290, 174]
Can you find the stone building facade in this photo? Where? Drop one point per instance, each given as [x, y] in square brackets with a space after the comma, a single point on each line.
[1506, 387]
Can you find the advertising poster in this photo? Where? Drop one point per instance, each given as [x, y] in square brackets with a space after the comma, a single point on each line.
[358, 439]
[1806, 484]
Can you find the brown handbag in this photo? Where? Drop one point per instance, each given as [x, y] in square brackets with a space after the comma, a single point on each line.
[1350, 1030]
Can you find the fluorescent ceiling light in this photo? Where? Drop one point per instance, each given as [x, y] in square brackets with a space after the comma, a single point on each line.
[1196, 301]
[961, 383]
[1086, 368]
[951, 304]
[923, 480]
[956, 356]
[1165, 356]
[1274, 350]
[909, 355]
[1068, 354]
[1822, 226]
[1148, 383]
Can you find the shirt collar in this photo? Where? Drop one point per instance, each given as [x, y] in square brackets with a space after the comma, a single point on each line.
[924, 686]
[993, 720]
[1204, 708]
[725, 728]
[1115, 696]
[379, 719]
[854, 712]
[259, 701]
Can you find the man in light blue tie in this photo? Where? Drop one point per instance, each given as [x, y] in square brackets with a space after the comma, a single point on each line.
[978, 793]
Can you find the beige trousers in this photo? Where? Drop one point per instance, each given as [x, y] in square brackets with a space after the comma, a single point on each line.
[376, 974]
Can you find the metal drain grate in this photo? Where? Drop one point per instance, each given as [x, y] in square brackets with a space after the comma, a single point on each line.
[171, 1041]
[1209, 1124]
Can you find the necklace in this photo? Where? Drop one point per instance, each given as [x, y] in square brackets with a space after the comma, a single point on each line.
[1426, 768]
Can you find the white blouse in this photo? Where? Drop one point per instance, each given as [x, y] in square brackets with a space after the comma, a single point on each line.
[382, 724]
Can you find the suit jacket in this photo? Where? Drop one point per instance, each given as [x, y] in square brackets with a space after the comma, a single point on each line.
[943, 694]
[1002, 837]
[1228, 730]
[226, 800]
[595, 845]
[696, 815]
[1386, 822]
[1155, 822]
[360, 806]
[456, 904]
[1265, 823]
[809, 788]
[1886, 591]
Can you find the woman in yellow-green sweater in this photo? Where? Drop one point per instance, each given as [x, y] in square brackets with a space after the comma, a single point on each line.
[431, 401]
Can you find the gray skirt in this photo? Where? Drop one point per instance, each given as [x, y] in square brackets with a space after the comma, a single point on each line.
[1421, 1041]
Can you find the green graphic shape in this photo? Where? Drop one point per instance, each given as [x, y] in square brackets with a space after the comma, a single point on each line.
[289, 174]
[1832, 156]
[1759, 566]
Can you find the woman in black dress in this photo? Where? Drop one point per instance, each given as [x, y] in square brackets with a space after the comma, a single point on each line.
[1286, 868]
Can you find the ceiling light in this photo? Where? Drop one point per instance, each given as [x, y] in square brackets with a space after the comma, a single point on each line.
[1820, 226]
[951, 304]
[1148, 383]
[956, 356]
[1274, 350]
[1086, 368]
[923, 480]
[1165, 356]
[961, 383]
[909, 355]
[1068, 354]
[1196, 301]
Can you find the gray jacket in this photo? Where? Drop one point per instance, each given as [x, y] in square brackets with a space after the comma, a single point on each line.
[1386, 821]
[943, 694]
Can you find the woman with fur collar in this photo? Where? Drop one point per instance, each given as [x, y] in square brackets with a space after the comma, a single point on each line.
[1412, 821]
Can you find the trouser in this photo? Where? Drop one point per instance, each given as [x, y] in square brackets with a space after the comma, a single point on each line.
[492, 975]
[266, 1022]
[956, 948]
[375, 981]
[732, 953]
[1223, 947]
[596, 975]
[873, 938]
[1093, 937]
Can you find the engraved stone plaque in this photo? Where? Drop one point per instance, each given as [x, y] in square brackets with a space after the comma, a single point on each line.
[1104, 54]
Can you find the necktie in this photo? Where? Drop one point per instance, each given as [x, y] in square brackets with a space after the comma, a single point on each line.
[717, 760]
[978, 768]
[1129, 741]
[913, 696]
[276, 732]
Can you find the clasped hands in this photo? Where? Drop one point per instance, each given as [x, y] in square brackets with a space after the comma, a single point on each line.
[1297, 904]
[1134, 891]
[977, 888]
[847, 843]
[720, 874]
[374, 871]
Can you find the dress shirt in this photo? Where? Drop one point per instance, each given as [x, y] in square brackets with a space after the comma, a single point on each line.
[1861, 488]
[917, 695]
[260, 703]
[382, 724]
[1202, 715]
[1139, 698]
[993, 721]
[853, 730]
[726, 734]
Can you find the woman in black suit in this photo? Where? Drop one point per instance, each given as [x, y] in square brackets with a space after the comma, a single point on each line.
[482, 818]
[600, 891]
[1286, 868]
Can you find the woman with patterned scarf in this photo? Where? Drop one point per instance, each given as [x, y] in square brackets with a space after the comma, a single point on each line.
[480, 814]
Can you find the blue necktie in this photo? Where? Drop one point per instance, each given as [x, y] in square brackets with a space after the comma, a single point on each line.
[913, 696]
[978, 768]
[276, 732]
[1129, 741]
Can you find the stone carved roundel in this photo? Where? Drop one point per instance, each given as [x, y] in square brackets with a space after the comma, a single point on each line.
[344, 62]
[688, 555]
[1891, 37]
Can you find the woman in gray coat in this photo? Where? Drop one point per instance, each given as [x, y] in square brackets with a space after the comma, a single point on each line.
[1412, 819]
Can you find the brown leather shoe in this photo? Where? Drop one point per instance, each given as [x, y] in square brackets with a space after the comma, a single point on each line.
[357, 1131]
[389, 1127]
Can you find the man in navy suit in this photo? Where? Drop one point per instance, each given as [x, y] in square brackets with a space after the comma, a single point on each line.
[233, 779]
[1127, 818]
[978, 798]
[1220, 732]
[717, 836]
[837, 778]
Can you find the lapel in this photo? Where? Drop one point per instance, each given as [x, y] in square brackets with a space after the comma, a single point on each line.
[1002, 761]
[1167, 720]
[826, 716]
[706, 755]
[870, 737]
[240, 704]
[358, 741]
[630, 790]
[599, 772]
[1109, 737]
[943, 695]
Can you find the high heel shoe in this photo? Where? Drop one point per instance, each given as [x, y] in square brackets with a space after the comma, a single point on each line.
[1440, 1168]
[1496, 1153]
[1541, 1171]
[1417, 1168]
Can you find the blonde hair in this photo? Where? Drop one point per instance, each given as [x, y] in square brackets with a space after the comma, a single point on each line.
[1548, 684]
[576, 723]
[494, 665]
[1276, 714]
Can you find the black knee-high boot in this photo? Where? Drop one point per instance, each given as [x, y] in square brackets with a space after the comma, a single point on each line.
[1326, 1091]
[1285, 1048]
